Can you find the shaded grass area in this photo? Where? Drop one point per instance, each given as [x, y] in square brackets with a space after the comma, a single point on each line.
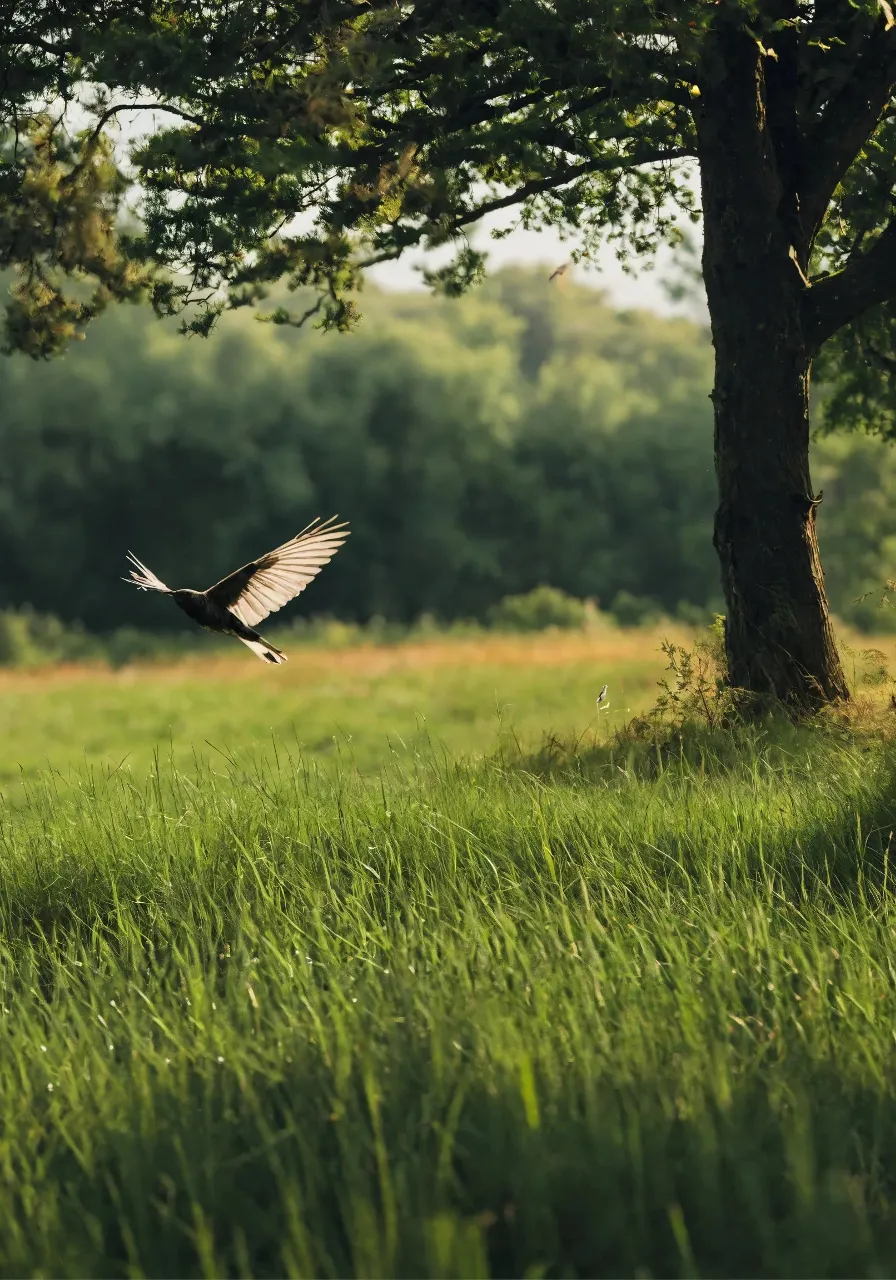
[624, 1017]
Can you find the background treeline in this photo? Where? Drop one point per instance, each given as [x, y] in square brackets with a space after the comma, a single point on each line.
[527, 434]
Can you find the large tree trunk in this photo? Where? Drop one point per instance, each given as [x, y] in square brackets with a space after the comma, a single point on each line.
[778, 632]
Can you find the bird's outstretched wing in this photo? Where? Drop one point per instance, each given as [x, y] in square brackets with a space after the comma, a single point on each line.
[265, 585]
[144, 578]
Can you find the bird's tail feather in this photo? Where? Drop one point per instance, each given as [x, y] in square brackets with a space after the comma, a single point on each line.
[144, 578]
[267, 652]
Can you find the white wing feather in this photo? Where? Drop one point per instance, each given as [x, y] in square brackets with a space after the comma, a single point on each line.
[266, 585]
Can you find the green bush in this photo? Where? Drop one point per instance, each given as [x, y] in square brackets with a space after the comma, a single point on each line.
[28, 638]
[695, 615]
[32, 639]
[538, 610]
[635, 611]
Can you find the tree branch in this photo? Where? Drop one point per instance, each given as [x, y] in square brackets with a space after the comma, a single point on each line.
[781, 74]
[104, 119]
[25, 41]
[109, 112]
[540, 186]
[835, 141]
[844, 296]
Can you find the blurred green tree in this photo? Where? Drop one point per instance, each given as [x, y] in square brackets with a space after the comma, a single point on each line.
[472, 467]
[469, 473]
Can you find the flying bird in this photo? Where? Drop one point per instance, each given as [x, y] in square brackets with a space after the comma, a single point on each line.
[558, 271]
[237, 603]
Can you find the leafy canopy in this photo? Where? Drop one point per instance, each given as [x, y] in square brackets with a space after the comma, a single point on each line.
[301, 141]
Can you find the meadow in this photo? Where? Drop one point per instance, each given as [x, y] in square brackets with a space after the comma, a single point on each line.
[339, 969]
[361, 703]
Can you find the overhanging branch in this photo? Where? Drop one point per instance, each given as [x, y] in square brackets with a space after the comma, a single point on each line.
[563, 177]
[835, 141]
[840, 298]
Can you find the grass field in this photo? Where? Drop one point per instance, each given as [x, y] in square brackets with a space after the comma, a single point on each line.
[361, 703]
[396, 1012]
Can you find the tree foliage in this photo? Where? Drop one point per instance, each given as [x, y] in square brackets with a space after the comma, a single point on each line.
[299, 141]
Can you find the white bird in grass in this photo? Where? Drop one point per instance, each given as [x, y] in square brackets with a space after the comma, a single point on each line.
[601, 701]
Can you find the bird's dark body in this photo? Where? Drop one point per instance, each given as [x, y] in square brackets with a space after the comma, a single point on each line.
[197, 606]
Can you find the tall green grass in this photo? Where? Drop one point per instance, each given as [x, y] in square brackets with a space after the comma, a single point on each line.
[466, 1019]
[97, 719]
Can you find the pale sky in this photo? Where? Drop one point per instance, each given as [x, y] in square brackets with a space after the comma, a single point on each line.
[641, 289]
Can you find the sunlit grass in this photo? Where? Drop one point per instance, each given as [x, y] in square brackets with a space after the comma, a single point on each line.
[263, 1014]
[461, 1022]
[361, 703]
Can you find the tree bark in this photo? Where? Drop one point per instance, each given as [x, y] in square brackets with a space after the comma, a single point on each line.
[779, 639]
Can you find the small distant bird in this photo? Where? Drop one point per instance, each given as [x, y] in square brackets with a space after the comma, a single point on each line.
[238, 602]
[601, 700]
[559, 271]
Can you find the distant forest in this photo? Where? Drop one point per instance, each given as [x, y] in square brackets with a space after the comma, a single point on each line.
[528, 434]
